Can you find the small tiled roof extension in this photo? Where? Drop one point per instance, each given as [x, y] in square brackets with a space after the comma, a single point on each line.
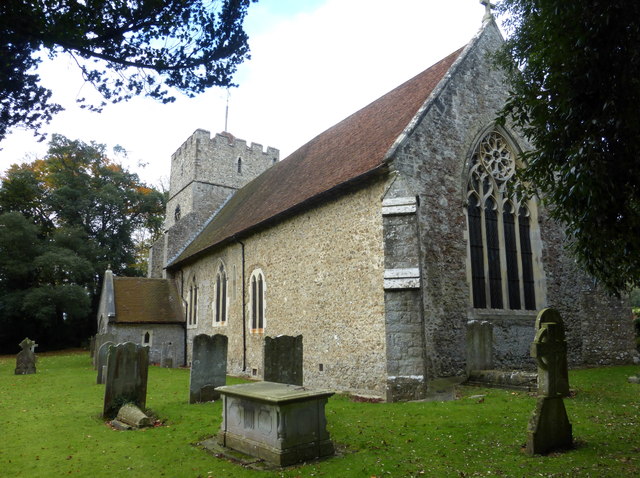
[144, 300]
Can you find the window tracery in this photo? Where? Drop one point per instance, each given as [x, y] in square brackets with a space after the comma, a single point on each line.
[499, 230]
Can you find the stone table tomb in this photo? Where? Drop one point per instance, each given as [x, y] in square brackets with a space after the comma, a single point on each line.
[282, 424]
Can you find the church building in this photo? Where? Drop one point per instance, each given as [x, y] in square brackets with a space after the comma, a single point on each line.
[391, 242]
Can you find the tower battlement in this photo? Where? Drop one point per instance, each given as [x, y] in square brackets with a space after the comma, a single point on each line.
[205, 170]
[223, 160]
[201, 142]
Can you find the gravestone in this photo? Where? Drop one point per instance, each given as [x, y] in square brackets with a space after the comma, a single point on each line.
[92, 346]
[101, 362]
[26, 358]
[99, 340]
[549, 428]
[127, 370]
[208, 367]
[283, 359]
[167, 355]
[479, 345]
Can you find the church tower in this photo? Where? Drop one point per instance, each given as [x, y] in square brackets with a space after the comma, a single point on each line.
[205, 172]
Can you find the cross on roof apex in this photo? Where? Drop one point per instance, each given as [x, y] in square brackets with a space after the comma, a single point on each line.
[488, 6]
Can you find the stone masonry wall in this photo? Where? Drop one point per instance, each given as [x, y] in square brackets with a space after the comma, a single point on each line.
[434, 161]
[323, 273]
[403, 303]
[599, 327]
[159, 335]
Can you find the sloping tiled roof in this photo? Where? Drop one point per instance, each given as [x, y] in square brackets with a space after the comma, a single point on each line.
[139, 299]
[345, 152]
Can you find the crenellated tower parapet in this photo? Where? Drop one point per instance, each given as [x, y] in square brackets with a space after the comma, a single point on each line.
[205, 171]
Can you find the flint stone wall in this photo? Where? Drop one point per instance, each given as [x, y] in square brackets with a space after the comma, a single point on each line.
[434, 162]
[323, 272]
[159, 334]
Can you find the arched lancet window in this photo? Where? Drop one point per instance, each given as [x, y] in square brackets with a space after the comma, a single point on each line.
[192, 304]
[146, 337]
[239, 165]
[500, 254]
[220, 312]
[257, 301]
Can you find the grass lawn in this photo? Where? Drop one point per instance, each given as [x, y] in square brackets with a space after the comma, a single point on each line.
[50, 426]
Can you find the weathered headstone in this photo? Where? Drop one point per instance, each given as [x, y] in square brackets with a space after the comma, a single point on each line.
[127, 370]
[549, 428]
[208, 367]
[167, 355]
[101, 362]
[283, 359]
[479, 345]
[92, 346]
[99, 340]
[26, 358]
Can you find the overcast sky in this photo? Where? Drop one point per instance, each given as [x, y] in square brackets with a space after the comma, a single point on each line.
[314, 62]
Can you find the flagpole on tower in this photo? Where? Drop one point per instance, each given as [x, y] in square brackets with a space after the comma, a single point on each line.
[226, 112]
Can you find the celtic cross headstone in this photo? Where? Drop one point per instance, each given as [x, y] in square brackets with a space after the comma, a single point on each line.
[549, 428]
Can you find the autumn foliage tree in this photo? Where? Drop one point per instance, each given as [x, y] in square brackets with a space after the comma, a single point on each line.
[63, 220]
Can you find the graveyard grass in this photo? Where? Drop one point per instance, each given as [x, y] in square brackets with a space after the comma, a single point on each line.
[51, 426]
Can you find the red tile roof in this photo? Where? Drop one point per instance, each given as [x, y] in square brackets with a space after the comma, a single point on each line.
[353, 148]
[143, 300]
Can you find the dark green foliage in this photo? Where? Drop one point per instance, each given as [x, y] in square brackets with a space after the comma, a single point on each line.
[575, 77]
[124, 48]
[63, 220]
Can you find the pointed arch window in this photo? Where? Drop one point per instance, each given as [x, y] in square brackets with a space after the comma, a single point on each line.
[147, 337]
[192, 304]
[239, 165]
[220, 312]
[257, 292]
[499, 230]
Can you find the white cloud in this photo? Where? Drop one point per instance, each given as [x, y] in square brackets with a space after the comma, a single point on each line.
[308, 71]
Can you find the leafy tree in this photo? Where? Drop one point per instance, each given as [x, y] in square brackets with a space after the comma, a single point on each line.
[63, 220]
[574, 70]
[124, 48]
[40, 286]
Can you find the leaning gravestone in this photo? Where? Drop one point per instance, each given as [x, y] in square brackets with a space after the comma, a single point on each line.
[127, 370]
[101, 362]
[26, 358]
[208, 367]
[283, 359]
[549, 428]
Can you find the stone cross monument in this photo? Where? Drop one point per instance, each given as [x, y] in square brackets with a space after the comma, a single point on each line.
[488, 6]
[549, 428]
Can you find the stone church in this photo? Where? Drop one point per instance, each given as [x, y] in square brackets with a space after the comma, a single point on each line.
[390, 242]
